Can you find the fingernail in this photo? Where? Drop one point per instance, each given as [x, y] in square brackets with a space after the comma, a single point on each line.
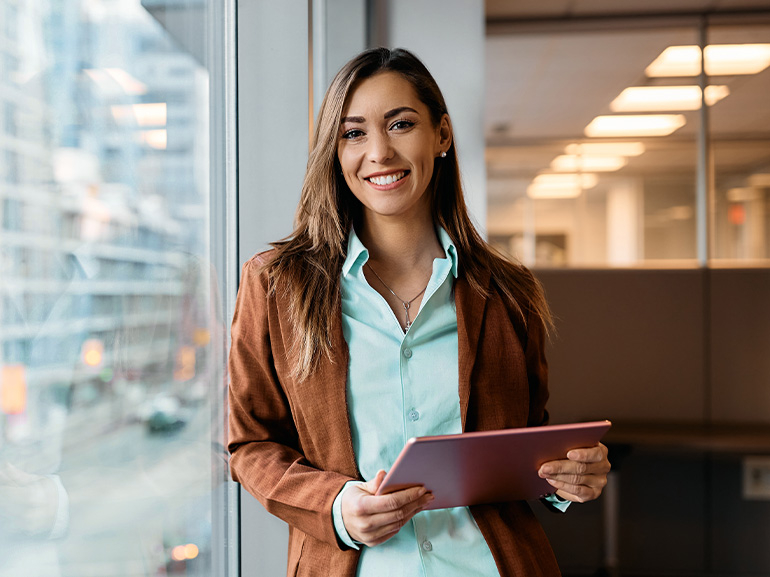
[551, 481]
[545, 471]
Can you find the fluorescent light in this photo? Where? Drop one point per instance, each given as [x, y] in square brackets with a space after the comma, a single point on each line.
[659, 98]
[148, 114]
[721, 60]
[157, 139]
[560, 185]
[635, 125]
[606, 148]
[578, 163]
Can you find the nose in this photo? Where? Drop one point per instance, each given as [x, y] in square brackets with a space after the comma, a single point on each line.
[380, 147]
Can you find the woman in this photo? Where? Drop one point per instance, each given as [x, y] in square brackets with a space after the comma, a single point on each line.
[386, 316]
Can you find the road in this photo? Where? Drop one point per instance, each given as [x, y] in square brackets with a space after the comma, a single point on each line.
[134, 496]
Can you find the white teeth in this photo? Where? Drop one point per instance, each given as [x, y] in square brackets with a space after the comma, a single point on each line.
[389, 179]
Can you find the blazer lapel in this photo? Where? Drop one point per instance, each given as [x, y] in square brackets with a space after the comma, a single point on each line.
[471, 307]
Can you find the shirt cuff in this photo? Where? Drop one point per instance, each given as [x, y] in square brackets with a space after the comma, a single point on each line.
[339, 524]
[557, 502]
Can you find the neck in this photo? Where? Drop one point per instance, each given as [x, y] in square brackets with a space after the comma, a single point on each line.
[399, 245]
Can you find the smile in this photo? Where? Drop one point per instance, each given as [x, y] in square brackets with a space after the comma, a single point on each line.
[387, 179]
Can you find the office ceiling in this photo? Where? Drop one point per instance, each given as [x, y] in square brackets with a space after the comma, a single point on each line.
[550, 9]
[545, 84]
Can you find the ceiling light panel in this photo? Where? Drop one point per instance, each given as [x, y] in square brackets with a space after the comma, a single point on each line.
[640, 125]
[721, 60]
[662, 98]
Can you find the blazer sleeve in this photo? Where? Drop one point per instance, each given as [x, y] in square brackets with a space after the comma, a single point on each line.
[266, 456]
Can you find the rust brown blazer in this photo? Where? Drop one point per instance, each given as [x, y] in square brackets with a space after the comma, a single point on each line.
[290, 442]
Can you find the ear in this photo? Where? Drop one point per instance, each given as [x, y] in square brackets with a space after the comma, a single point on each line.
[444, 140]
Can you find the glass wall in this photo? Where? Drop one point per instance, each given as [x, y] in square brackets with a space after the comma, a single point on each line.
[111, 330]
[592, 151]
[740, 136]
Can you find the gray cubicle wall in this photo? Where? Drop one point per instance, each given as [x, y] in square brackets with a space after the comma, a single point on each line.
[688, 346]
[681, 346]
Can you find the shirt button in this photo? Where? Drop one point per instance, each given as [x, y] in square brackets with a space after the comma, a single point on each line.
[408, 353]
[414, 415]
[427, 545]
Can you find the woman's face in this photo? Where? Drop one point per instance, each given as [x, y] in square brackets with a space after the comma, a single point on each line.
[387, 145]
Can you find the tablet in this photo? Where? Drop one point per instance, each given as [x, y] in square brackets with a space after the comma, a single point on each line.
[488, 466]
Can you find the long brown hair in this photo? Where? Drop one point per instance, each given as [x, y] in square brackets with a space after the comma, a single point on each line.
[307, 265]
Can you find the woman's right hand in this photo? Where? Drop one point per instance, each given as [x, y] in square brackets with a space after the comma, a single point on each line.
[372, 519]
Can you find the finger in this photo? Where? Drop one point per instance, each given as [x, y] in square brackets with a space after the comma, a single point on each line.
[380, 527]
[588, 454]
[565, 467]
[372, 485]
[557, 468]
[580, 492]
[576, 494]
[374, 504]
[373, 521]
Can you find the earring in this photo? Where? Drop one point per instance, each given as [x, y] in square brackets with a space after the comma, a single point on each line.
[443, 154]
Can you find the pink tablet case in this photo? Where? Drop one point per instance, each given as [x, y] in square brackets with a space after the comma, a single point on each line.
[488, 466]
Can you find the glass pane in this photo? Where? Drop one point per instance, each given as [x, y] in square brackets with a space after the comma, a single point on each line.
[740, 136]
[111, 332]
[567, 186]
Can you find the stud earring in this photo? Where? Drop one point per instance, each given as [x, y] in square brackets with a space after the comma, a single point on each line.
[443, 154]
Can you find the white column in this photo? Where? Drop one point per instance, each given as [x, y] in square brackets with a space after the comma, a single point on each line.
[623, 224]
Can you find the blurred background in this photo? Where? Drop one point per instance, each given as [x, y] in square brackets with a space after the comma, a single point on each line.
[149, 147]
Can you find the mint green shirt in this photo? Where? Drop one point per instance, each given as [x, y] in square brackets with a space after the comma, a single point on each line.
[402, 386]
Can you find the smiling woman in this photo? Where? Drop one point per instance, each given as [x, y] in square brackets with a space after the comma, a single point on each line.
[386, 316]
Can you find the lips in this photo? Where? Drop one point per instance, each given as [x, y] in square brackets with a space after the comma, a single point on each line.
[386, 179]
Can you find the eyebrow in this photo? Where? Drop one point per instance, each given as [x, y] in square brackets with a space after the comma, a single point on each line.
[386, 116]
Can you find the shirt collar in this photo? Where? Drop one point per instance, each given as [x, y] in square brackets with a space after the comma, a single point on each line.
[358, 254]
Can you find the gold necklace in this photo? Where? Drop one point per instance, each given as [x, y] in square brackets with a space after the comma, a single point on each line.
[406, 304]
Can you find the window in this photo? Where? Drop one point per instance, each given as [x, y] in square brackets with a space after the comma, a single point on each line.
[111, 402]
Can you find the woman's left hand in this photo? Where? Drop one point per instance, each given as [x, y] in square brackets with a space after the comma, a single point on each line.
[581, 476]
